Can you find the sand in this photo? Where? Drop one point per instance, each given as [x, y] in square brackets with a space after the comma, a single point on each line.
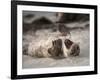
[78, 35]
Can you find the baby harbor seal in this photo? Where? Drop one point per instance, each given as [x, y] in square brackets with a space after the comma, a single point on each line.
[54, 48]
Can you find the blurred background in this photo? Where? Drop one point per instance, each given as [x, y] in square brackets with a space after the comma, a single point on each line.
[33, 20]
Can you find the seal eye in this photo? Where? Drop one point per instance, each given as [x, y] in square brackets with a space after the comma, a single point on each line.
[56, 49]
[68, 43]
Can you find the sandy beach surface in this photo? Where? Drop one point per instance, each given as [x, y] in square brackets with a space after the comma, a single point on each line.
[78, 35]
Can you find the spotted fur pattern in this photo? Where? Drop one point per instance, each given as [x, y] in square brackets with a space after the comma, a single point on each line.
[54, 48]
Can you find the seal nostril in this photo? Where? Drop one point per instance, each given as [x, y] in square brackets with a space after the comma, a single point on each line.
[75, 50]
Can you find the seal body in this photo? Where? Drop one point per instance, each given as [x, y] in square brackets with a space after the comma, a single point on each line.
[59, 46]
